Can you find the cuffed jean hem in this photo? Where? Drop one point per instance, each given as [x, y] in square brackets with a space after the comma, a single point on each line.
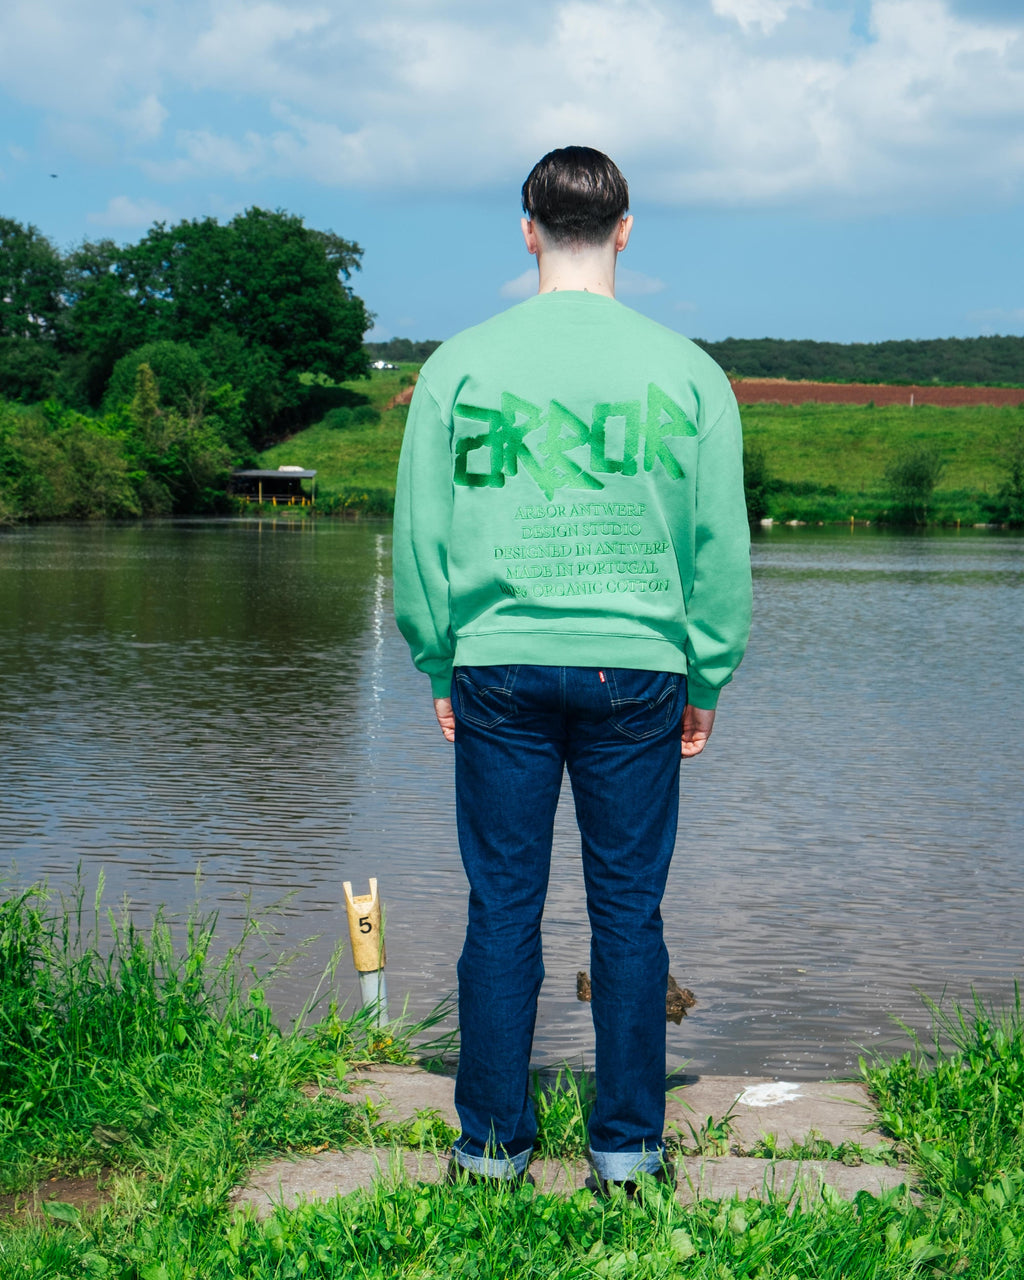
[620, 1166]
[494, 1166]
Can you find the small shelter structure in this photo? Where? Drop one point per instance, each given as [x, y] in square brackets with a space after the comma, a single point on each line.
[281, 488]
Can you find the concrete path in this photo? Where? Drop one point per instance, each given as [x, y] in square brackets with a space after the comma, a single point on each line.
[785, 1113]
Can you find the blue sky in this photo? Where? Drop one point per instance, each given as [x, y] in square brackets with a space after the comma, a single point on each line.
[850, 170]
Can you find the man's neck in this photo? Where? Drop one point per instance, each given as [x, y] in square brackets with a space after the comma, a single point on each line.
[588, 271]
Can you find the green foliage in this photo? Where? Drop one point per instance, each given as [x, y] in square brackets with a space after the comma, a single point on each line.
[259, 299]
[58, 464]
[356, 464]
[136, 459]
[31, 276]
[972, 361]
[911, 477]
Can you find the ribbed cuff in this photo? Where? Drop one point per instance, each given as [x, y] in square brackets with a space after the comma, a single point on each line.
[701, 695]
[441, 685]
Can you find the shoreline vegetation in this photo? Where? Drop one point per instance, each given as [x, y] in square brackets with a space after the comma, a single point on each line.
[811, 463]
[143, 1068]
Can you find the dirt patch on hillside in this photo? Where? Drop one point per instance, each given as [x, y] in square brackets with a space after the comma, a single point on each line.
[403, 397]
[782, 391]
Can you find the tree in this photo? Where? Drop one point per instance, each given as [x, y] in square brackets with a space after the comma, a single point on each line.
[107, 317]
[31, 305]
[261, 299]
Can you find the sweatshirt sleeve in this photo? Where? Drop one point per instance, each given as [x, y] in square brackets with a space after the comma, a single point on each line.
[423, 512]
[718, 610]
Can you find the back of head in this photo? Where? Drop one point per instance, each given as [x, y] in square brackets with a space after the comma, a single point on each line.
[577, 195]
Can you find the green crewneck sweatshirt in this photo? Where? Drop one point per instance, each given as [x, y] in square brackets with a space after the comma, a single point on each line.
[570, 493]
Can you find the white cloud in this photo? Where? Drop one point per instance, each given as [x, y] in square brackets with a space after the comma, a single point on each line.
[766, 14]
[210, 153]
[634, 284]
[997, 320]
[710, 103]
[146, 118]
[122, 212]
[523, 286]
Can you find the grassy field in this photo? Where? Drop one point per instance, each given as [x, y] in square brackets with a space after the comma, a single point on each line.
[139, 1061]
[822, 462]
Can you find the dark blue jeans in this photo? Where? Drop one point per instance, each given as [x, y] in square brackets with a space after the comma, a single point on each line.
[617, 732]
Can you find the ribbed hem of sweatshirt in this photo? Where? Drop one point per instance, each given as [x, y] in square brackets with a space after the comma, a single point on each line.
[571, 649]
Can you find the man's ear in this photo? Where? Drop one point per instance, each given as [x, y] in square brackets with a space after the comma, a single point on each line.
[622, 235]
[529, 235]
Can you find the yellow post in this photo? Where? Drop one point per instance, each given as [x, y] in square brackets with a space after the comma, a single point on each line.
[366, 933]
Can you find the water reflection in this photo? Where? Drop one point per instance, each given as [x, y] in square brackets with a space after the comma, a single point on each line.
[235, 694]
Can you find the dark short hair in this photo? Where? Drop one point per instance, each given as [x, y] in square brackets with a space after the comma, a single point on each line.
[577, 195]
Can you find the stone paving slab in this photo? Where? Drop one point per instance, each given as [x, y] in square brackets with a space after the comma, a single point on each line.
[339, 1173]
[793, 1113]
[723, 1177]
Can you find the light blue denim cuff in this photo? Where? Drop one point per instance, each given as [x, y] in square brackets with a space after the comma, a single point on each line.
[494, 1166]
[620, 1166]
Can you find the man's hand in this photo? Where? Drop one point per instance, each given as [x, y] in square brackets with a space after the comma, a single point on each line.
[697, 726]
[446, 717]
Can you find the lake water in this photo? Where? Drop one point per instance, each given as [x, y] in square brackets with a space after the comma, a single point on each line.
[234, 695]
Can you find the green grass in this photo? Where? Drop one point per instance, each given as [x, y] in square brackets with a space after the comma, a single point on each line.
[147, 1055]
[825, 462]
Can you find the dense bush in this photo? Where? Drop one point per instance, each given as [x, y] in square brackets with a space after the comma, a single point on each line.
[912, 476]
[136, 459]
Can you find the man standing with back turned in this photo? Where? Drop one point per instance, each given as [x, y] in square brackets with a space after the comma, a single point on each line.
[572, 570]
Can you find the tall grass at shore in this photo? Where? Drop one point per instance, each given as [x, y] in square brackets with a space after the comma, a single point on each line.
[144, 1055]
[822, 462]
[123, 1048]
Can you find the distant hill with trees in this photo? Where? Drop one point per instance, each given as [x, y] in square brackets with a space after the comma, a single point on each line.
[403, 350]
[992, 361]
